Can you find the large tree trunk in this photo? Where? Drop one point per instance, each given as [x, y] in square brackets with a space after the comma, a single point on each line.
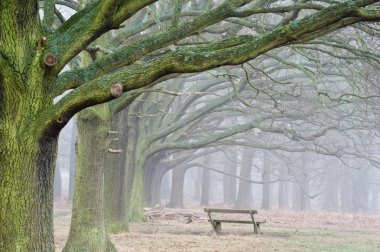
[87, 230]
[114, 214]
[26, 192]
[26, 154]
[176, 195]
[244, 197]
[136, 202]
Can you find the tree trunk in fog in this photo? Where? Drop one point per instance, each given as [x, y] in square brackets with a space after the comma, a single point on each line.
[205, 196]
[157, 183]
[114, 213]
[136, 202]
[229, 183]
[198, 184]
[346, 192]
[166, 187]
[57, 182]
[360, 199]
[73, 154]
[375, 199]
[176, 195]
[330, 196]
[150, 174]
[129, 167]
[244, 196]
[283, 186]
[266, 178]
[87, 230]
[300, 199]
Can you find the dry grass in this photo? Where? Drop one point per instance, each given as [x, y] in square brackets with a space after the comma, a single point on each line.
[285, 230]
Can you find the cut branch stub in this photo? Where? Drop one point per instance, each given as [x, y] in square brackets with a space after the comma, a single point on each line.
[41, 42]
[117, 89]
[50, 59]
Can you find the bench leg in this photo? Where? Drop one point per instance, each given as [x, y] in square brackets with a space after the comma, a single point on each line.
[257, 231]
[218, 227]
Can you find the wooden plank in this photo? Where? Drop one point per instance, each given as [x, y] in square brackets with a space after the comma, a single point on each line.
[233, 221]
[220, 210]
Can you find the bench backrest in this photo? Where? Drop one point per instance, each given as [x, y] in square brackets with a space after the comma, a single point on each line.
[221, 210]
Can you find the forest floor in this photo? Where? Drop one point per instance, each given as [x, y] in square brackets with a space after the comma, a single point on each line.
[285, 230]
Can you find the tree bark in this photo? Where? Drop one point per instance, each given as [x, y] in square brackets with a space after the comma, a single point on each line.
[27, 153]
[26, 193]
[244, 197]
[73, 154]
[136, 202]
[87, 230]
[114, 216]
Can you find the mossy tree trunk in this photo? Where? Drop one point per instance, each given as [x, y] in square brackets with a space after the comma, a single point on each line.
[87, 230]
[136, 202]
[114, 213]
[27, 153]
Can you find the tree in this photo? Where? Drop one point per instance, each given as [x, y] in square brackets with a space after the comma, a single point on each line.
[33, 54]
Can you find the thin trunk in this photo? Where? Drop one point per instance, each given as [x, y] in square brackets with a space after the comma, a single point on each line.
[360, 199]
[165, 186]
[229, 182]
[375, 200]
[198, 184]
[57, 182]
[244, 196]
[283, 186]
[266, 178]
[73, 154]
[87, 230]
[176, 195]
[205, 194]
[330, 199]
[346, 193]
[155, 189]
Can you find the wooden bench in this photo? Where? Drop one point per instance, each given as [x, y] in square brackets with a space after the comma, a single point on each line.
[216, 223]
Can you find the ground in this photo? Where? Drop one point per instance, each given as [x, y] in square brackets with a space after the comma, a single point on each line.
[285, 230]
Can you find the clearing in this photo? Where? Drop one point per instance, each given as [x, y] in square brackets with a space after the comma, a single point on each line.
[285, 230]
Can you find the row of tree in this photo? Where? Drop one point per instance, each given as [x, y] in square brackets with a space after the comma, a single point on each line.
[121, 52]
